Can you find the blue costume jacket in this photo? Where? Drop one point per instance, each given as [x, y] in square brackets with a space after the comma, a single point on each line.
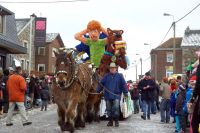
[113, 83]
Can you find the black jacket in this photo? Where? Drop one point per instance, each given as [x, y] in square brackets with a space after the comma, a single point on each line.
[147, 94]
[180, 99]
[45, 94]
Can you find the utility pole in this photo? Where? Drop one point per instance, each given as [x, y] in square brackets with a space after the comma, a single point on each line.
[174, 41]
[174, 48]
[136, 70]
[141, 65]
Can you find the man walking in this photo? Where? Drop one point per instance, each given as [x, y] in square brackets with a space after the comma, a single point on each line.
[165, 91]
[16, 86]
[114, 84]
[146, 86]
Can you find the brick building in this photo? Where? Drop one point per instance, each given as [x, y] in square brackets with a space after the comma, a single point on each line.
[32, 33]
[44, 56]
[162, 59]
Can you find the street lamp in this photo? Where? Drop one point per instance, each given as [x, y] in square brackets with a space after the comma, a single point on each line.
[135, 62]
[149, 45]
[149, 52]
[141, 63]
[174, 42]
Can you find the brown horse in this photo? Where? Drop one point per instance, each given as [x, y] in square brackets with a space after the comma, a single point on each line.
[71, 91]
[114, 52]
[93, 100]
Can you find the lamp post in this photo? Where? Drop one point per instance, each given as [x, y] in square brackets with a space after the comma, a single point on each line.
[174, 42]
[141, 63]
[135, 62]
[149, 45]
[149, 52]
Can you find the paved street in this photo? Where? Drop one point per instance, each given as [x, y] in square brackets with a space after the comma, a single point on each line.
[46, 122]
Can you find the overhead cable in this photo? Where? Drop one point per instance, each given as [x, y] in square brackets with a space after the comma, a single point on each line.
[34, 2]
[188, 13]
[166, 34]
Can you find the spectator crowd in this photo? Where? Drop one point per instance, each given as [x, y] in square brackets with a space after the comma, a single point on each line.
[37, 91]
[171, 98]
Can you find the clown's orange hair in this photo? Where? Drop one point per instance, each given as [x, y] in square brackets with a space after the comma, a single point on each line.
[94, 25]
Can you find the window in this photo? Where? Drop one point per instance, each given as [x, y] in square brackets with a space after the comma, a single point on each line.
[22, 64]
[170, 57]
[27, 65]
[54, 49]
[41, 50]
[53, 69]
[41, 67]
[25, 43]
[169, 71]
[1, 23]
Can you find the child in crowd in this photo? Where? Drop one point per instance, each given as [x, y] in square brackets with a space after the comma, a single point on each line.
[179, 110]
[135, 97]
[45, 96]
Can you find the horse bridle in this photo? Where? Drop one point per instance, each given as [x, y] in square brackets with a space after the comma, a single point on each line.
[72, 69]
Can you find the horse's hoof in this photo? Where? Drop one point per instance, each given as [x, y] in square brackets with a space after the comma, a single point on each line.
[80, 124]
[69, 127]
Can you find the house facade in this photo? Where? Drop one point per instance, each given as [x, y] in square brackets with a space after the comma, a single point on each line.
[44, 56]
[9, 43]
[190, 44]
[25, 32]
[162, 59]
[31, 33]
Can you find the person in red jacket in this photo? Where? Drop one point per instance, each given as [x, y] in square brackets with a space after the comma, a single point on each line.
[16, 86]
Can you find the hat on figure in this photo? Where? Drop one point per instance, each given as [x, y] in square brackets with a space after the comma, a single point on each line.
[113, 65]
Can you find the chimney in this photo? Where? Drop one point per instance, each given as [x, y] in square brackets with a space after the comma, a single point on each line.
[187, 30]
[33, 15]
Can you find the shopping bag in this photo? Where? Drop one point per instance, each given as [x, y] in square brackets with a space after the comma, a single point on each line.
[129, 102]
[124, 108]
[102, 111]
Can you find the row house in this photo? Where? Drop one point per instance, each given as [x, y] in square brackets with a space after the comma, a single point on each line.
[190, 44]
[32, 34]
[162, 59]
[40, 45]
[9, 43]
[44, 56]
[162, 56]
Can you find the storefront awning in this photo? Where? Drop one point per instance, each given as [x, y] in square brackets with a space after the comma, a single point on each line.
[11, 47]
[4, 11]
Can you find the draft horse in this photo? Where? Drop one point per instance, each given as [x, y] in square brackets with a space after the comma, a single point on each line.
[115, 51]
[70, 90]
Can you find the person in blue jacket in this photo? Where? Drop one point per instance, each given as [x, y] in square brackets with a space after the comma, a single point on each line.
[113, 84]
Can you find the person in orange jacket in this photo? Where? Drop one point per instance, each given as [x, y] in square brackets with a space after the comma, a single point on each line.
[16, 86]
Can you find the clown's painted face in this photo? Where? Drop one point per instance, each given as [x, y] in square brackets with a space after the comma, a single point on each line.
[94, 35]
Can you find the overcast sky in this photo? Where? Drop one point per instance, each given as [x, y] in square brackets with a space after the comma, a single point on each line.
[141, 20]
